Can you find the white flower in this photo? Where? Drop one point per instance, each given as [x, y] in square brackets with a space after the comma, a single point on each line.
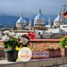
[23, 40]
[7, 32]
[12, 34]
[5, 38]
[18, 35]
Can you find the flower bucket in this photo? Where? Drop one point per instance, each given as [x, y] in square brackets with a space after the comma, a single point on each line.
[11, 55]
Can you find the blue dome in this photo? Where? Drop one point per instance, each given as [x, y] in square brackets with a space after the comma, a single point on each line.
[39, 19]
[58, 18]
[21, 20]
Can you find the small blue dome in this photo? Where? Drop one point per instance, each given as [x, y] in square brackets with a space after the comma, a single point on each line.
[58, 18]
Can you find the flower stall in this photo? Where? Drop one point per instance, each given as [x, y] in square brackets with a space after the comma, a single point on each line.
[45, 48]
[41, 48]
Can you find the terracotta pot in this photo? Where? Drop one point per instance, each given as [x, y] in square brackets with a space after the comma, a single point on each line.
[57, 53]
[66, 52]
[51, 53]
[54, 53]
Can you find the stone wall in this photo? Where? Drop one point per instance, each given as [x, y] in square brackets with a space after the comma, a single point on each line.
[51, 62]
[43, 44]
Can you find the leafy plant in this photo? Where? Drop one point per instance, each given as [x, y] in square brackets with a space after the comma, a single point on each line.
[14, 42]
[10, 42]
[63, 42]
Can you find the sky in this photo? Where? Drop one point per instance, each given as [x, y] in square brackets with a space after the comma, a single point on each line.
[30, 7]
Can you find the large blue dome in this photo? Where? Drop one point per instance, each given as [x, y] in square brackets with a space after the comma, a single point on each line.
[21, 20]
[39, 19]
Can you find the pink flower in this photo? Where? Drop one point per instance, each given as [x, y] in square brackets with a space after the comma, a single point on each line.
[23, 39]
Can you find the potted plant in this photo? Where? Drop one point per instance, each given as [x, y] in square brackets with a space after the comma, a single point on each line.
[57, 52]
[54, 52]
[51, 52]
[11, 43]
[63, 44]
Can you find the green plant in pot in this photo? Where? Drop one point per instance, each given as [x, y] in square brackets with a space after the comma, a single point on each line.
[63, 44]
[11, 43]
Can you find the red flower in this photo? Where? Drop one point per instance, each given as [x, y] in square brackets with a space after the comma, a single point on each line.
[65, 14]
[31, 35]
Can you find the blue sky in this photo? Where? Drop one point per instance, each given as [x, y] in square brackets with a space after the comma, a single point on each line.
[30, 7]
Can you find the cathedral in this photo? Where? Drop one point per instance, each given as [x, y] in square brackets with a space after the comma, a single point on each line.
[56, 26]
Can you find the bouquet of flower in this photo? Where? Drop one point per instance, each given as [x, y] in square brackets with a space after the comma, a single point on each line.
[15, 40]
[10, 42]
[23, 41]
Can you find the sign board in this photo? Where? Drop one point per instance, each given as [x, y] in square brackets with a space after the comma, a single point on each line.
[40, 55]
[25, 54]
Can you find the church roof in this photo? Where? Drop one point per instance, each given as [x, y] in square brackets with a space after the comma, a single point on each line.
[39, 17]
[21, 20]
[58, 18]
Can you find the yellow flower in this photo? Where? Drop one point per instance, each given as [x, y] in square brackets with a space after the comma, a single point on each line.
[18, 48]
[65, 36]
[62, 39]
[18, 60]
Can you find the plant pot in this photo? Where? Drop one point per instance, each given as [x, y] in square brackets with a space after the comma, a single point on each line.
[57, 53]
[54, 53]
[11, 55]
[64, 52]
[51, 53]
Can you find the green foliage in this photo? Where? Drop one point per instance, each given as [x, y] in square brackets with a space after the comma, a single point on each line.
[63, 42]
[11, 43]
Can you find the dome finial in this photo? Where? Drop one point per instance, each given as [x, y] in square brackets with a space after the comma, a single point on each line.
[39, 10]
[59, 13]
[49, 20]
[21, 15]
[30, 21]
